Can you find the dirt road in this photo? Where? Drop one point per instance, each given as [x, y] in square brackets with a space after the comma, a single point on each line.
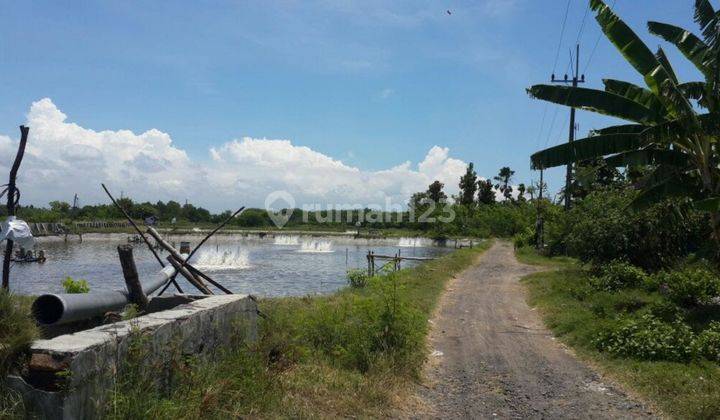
[493, 358]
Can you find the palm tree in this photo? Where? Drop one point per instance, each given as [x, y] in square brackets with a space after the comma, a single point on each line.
[665, 131]
[503, 179]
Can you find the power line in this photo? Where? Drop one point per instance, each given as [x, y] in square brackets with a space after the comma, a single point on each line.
[552, 125]
[582, 24]
[557, 56]
[597, 41]
[542, 125]
[562, 34]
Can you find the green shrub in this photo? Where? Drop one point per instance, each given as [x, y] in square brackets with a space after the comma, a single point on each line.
[708, 342]
[618, 275]
[666, 310]
[503, 220]
[75, 286]
[688, 286]
[360, 330]
[357, 278]
[601, 228]
[524, 238]
[649, 338]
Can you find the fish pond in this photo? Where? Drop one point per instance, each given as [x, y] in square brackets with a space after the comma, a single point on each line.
[273, 265]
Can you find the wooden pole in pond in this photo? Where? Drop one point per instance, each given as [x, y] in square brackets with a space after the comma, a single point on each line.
[194, 280]
[142, 235]
[177, 264]
[184, 261]
[132, 280]
[12, 197]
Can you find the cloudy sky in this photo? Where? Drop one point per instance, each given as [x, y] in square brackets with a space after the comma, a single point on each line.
[223, 102]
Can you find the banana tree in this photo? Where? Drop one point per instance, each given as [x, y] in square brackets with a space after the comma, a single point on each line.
[673, 127]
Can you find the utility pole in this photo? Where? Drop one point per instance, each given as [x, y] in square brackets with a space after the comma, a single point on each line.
[540, 221]
[576, 79]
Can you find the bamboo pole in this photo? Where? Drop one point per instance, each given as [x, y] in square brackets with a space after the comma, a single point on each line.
[197, 272]
[137, 229]
[184, 261]
[194, 280]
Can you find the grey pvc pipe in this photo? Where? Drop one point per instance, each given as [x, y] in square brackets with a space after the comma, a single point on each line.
[56, 309]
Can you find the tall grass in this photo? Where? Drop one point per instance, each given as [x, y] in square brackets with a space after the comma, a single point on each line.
[348, 354]
[17, 331]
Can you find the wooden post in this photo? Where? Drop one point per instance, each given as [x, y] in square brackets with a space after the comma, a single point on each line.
[12, 204]
[132, 280]
[368, 264]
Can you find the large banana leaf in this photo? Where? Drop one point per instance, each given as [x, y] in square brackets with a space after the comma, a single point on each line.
[674, 100]
[635, 93]
[669, 183]
[662, 59]
[707, 18]
[709, 204]
[583, 149]
[710, 123]
[670, 132]
[690, 45]
[693, 90]
[648, 157]
[630, 45]
[597, 101]
[620, 129]
[640, 57]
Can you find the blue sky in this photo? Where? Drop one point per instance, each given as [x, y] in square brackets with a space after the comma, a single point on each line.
[370, 83]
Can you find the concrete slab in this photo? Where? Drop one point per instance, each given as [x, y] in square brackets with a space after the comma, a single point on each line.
[89, 360]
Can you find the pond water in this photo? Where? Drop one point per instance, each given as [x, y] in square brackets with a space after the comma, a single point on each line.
[283, 265]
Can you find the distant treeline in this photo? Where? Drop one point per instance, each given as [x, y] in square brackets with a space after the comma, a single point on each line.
[474, 211]
[498, 219]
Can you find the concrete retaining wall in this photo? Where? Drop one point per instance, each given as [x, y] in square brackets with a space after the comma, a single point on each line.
[88, 360]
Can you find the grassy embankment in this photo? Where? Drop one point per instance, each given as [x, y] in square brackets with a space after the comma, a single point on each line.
[352, 353]
[578, 314]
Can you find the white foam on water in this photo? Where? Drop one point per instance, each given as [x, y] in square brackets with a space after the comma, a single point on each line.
[316, 246]
[412, 242]
[222, 259]
[287, 240]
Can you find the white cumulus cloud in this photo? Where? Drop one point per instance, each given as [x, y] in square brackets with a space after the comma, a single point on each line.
[63, 158]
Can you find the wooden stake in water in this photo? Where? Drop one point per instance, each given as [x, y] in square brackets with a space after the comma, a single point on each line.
[132, 280]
